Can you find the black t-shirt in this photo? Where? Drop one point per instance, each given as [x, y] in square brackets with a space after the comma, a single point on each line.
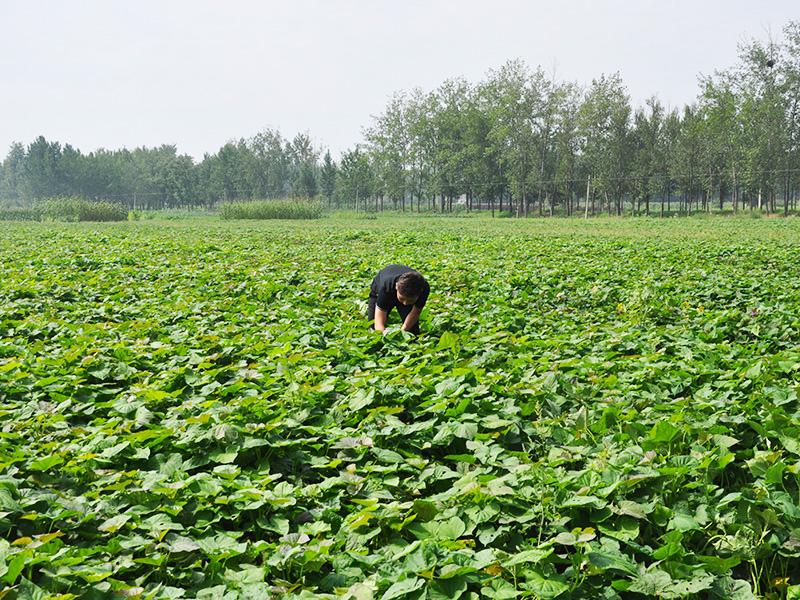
[384, 291]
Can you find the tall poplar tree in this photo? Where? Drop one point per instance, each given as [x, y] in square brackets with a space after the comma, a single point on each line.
[327, 177]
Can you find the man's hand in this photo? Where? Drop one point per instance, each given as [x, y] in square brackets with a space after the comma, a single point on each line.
[411, 320]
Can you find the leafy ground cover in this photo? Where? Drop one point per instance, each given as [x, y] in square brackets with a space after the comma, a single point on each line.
[594, 410]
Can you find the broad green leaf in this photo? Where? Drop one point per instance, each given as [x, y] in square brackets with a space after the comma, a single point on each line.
[669, 550]
[403, 587]
[227, 471]
[361, 399]
[224, 457]
[221, 545]
[690, 587]
[792, 444]
[447, 589]
[7, 501]
[617, 561]
[632, 509]
[15, 566]
[534, 556]
[359, 591]
[465, 430]
[245, 574]
[545, 586]
[388, 456]
[500, 589]
[625, 529]
[451, 529]
[591, 501]
[683, 522]
[112, 451]
[719, 564]
[733, 589]
[447, 340]
[420, 560]
[651, 582]
[30, 591]
[452, 386]
[114, 523]
[664, 431]
[178, 543]
[47, 463]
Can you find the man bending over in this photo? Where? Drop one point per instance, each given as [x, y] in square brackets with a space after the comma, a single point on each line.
[400, 287]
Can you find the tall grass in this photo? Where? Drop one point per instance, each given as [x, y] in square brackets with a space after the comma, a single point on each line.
[66, 209]
[20, 214]
[271, 209]
[78, 209]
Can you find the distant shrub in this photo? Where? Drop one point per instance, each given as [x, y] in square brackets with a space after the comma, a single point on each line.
[271, 209]
[20, 214]
[78, 209]
[506, 214]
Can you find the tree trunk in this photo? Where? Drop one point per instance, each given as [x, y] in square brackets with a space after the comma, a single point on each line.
[786, 194]
[586, 206]
[669, 199]
[539, 196]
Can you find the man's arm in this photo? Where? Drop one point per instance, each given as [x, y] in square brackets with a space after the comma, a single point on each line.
[411, 319]
[380, 319]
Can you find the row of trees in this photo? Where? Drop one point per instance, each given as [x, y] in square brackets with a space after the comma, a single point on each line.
[265, 166]
[544, 145]
[519, 141]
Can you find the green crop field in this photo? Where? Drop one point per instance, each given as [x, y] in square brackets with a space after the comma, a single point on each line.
[603, 409]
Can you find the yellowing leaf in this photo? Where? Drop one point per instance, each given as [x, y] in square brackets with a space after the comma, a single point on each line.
[48, 537]
[23, 541]
[362, 520]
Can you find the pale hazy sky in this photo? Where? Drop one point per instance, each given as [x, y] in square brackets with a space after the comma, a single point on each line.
[123, 74]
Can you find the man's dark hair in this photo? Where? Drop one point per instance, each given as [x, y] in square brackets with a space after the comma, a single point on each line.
[410, 284]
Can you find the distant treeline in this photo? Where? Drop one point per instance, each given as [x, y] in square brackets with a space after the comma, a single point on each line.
[518, 141]
[265, 166]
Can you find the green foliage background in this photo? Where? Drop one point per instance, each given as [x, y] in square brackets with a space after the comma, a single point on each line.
[594, 410]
